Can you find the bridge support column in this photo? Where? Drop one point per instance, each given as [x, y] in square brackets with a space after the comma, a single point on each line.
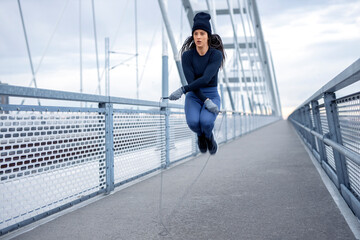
[318, 129]
[335, 135]
[109, 146]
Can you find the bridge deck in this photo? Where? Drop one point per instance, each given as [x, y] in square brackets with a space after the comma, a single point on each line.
[261, 186]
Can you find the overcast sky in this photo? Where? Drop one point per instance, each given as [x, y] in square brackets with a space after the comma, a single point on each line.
[311, 42]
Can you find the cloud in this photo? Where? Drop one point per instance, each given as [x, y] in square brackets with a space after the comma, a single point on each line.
[311, 42]
[310, 45]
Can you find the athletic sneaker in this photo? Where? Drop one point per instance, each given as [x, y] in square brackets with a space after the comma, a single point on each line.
[202, 143]
[211, 144]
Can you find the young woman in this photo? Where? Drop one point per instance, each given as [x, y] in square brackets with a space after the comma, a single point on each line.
[202, 54]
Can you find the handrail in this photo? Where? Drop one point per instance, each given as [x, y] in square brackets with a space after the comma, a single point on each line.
[330, 131]
[28, 92]
[343, 150]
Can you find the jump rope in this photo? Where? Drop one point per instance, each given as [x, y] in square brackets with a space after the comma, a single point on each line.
[166, 230]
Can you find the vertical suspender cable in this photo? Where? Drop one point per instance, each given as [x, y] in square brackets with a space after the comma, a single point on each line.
[96, 48]
[80, 46]
[236, 45]
[247, 48]
[28, 49]
[181, 21]
[259, 73]
[225, 78]
[172, 41]
[275, 82]
[137, 53]
[246, 40]
[264, 60]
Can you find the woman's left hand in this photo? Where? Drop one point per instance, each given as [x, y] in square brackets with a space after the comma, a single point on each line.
[177, 94]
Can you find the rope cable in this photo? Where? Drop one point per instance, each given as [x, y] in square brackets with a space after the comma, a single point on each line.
[166, 230]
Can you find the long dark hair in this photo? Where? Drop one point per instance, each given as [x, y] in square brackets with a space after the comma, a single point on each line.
[214, 41]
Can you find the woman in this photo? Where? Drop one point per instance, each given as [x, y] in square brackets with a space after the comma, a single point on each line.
[202, 54]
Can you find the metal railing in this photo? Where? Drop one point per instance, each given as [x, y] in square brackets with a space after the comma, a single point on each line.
[53, 157]
[330, 127]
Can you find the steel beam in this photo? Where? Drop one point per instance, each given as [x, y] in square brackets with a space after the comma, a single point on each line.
[265, 61]
[172, 41]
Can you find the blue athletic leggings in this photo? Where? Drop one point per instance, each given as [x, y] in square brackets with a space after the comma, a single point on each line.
[198, 118]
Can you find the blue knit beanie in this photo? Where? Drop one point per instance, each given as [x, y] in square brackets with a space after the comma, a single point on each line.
[201, 21]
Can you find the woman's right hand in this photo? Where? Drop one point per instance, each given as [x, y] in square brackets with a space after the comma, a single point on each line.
[211, 106]
[177, 94]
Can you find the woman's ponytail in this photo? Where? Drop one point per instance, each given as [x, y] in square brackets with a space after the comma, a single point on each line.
[216, 42]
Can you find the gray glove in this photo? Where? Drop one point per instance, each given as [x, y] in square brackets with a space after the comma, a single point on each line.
[177, 94]
[211, 106]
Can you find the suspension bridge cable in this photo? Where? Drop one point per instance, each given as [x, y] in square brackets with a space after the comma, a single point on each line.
[115, 36]
[28, 50]
[247, 43]
[80, 51]
[96, 48]
[118, 28]
[52, 36]
[49, 41]
[148, 53]
[238, 51]
[257, 43]
[136, 51]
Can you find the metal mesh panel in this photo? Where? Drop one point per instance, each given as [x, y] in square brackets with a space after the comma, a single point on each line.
[219, 128]
[325, 129]
[255, 122]
[245, 124]
[182, 139]
[238, 124]
[349, 119]
[139, 143]
[48, 159]
[230, 126]
[313, 124]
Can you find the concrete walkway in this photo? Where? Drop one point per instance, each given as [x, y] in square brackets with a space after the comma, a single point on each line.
[261, 186]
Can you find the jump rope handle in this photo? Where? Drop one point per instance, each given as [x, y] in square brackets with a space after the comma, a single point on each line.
[168, 98]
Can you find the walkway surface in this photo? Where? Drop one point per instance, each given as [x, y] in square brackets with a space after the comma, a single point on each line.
[261, 186]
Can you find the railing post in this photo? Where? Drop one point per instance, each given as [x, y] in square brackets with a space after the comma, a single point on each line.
[166, 112]
[335, 135]
[167, 137]
[234, 117]
[301, 116]
[309, 125]
[318, 129]
[226, 126]
[109, 145]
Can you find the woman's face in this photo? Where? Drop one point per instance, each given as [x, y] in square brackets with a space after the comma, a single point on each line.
[200, 38]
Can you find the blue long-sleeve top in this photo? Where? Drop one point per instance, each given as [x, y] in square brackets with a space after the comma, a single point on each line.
[201, 71]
